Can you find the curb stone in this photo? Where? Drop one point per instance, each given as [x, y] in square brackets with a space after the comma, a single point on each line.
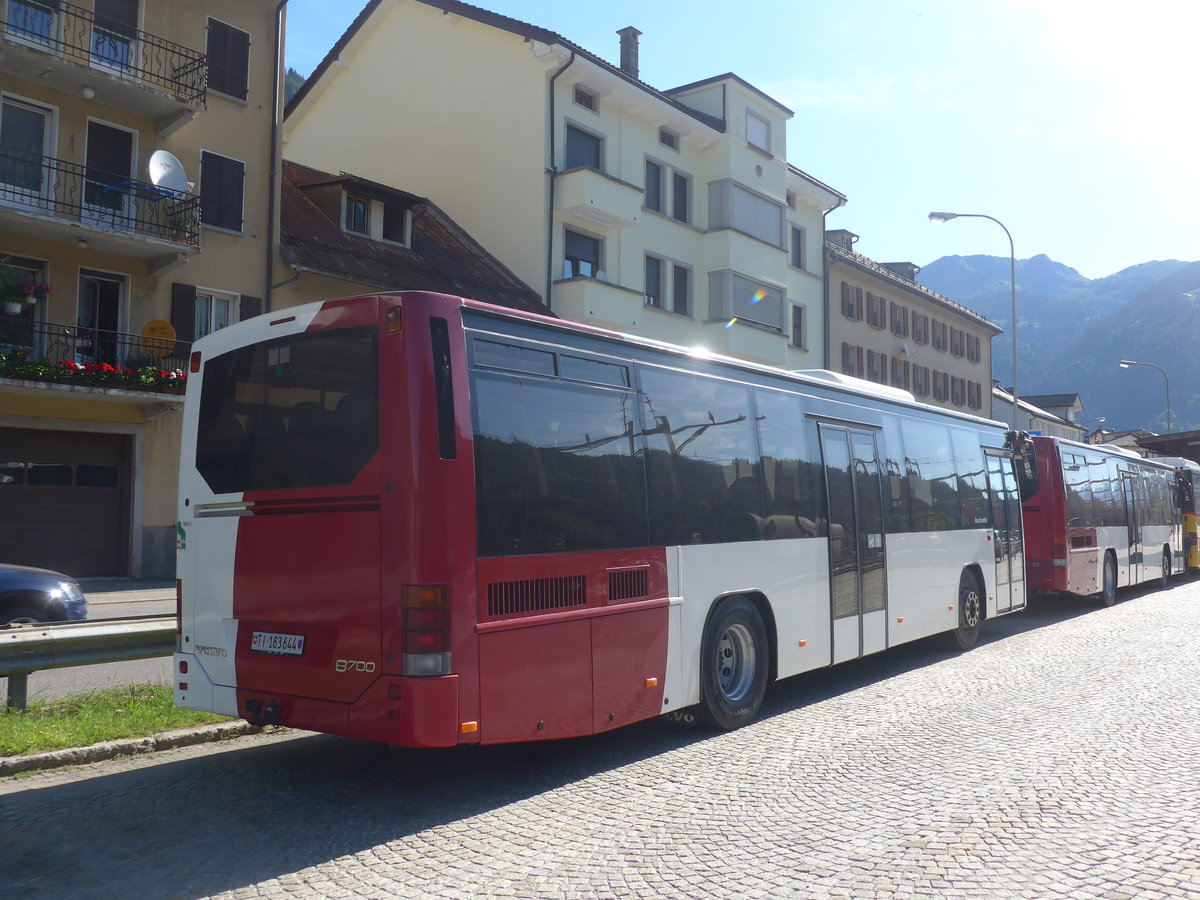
[168, 740]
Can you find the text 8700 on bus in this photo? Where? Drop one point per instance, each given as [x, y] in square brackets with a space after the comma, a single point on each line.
[417, 519]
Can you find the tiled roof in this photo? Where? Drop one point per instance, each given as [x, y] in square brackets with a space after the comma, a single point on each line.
[442, 256]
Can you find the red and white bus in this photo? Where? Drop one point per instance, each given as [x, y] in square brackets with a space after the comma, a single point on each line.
[417, 519]
[1099, 518]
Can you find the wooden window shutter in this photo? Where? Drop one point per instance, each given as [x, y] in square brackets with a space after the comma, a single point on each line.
[183, 311]
[222, 183]
[228, 59]
[249, 308]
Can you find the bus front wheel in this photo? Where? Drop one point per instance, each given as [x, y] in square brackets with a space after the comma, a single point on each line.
[970, 612]
[734, 665]
[1164, 580]
[1108, 590]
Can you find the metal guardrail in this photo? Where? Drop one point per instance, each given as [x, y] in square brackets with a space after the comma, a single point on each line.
[31, 648]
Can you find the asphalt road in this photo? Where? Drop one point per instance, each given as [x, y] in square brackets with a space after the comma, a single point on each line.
[1059, 758]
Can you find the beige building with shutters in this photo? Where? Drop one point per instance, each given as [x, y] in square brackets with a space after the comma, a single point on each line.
[138, 259]
[885, 327]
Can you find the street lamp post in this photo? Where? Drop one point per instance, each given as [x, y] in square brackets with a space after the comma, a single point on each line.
[938, 218]
[1126, 363]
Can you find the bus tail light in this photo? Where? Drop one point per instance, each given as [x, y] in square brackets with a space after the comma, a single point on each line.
[426, 623]
[194, 363]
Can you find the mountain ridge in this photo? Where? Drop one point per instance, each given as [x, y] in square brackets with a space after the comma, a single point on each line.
[1073, 331]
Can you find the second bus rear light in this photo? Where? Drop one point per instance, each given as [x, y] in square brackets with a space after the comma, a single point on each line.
[426, 622]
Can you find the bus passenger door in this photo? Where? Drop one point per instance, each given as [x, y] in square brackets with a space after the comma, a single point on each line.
[1007, 532]
[1133, 526]
[857, 565]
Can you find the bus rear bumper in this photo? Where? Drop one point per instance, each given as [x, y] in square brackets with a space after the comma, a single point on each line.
[195, 690]
[413, 712]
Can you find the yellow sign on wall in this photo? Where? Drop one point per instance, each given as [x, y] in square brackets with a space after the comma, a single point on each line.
[158, 338]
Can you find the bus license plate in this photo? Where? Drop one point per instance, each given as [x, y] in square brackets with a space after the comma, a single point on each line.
[273, 642]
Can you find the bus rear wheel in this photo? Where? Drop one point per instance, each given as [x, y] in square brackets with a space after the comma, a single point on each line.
[1108, 589]
[734, 665]
[970, 612]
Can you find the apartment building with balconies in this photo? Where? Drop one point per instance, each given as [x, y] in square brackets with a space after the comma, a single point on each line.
[885, 327]
[135, 160]
[672, 214]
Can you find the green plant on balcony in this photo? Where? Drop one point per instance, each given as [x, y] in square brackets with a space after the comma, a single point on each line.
[15, 363]
[18, 290]
[181, 223]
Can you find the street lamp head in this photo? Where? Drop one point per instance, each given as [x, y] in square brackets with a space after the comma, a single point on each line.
[1126, 363]
[940, 218]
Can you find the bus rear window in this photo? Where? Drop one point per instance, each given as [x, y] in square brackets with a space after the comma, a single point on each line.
[297, 412]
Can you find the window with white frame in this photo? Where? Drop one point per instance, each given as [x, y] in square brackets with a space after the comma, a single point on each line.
[654, 281]
[799, 326]
[357, 217]
[758, 131]
[734, 296]
[583, 149]
[214, 310]
[681, 197]
[796, 257]
[397, 224]
[654, 186]
[668, 195]
[732, 205]
[668, 285]
[581, 255]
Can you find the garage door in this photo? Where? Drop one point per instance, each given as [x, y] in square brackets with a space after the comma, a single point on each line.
[63, 500]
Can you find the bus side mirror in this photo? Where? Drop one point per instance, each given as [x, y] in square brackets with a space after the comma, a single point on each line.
[1024, 461]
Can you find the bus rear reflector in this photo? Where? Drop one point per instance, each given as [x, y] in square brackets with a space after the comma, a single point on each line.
[426, 630]
[194, 365]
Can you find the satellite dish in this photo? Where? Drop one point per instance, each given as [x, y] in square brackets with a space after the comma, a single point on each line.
[167, 172]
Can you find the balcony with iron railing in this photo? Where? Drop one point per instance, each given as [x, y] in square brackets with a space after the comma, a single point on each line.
[75, 50]
[113, 365]
[65, 201]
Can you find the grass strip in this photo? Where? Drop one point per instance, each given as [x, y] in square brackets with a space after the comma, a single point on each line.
[136, 710]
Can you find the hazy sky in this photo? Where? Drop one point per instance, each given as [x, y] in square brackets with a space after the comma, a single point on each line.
[1073, 122]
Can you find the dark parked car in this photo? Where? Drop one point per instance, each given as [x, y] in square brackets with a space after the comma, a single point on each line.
[38, 595]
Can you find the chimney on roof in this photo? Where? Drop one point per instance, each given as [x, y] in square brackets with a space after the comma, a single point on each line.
[904, 269]
[629, 51]
[842, 238]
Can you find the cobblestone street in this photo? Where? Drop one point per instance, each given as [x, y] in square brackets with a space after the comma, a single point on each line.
[1060, 758]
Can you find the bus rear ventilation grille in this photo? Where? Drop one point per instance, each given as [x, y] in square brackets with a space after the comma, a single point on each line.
[530, 595]
[628, 584]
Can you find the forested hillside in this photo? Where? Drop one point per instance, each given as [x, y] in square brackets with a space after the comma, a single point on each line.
[1073, 332]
